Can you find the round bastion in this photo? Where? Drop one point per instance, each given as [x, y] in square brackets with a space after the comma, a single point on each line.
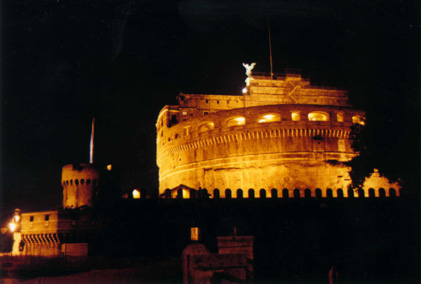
[282, 134]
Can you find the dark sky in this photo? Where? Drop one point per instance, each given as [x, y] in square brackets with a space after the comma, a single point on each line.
[64, 62]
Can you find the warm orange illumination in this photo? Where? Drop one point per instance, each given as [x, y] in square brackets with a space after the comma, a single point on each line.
[340, 117]
[109, 167]
[236, 121]
[295, 116]
[268, 118]
[136, 194]
[12, 227]
[317, 116]
[194, 233]
[206, 127]
[358, 119]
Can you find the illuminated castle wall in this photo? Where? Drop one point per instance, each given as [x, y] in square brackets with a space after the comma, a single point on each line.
[81, 184]
[282, 133]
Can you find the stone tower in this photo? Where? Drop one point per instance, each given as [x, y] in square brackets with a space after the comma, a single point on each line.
[282, 133]
[85, 184]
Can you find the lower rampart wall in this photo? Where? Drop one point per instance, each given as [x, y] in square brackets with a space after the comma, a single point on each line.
[284, 193]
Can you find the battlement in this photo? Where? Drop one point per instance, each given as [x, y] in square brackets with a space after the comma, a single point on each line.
[82, 183]
[281, 133]
[183, 192]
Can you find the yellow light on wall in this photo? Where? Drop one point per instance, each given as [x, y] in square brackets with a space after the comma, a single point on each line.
[269, 118]
[109, 167]
[358, 119]
[236, 121]
[136, 194]
[317, 116]
[194, 233]
[295, 116]
[240, 120]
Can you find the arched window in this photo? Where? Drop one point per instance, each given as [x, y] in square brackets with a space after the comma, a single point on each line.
[358, 119]
[340, 117]
[216, 193]
[251, 193]
[318, 116]
[236, 121]
[274, 193]
[271, 117]
[371, 193]
[329, 193]
[382, 193]
[361, 193]
[285, 193]
[205, 127]
[392, 192]
[82, 181]
[262, 193]
[307, 193]
[239, 193]
[297, 193]
[340, 193]
[228, 193]
[318, 193]
[295, 116]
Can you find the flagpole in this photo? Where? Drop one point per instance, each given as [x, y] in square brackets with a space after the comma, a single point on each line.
[270, 51]
[91, 150]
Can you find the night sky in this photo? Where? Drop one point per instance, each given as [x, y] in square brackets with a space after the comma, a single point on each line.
[65, 62]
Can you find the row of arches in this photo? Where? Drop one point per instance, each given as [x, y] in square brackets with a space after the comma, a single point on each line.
[209, 125]
[81, 182]
[274, 117]
[284, 193]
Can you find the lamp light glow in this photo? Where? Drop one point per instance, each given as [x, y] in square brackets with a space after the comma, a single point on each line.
[12, 227]
[136, 194]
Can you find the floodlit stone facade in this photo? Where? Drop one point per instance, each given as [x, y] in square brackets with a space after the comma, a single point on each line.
[281, 133]
[84, 184]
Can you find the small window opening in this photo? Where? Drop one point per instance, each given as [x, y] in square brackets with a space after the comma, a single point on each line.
[340, 117]
[295, 116]
[47, 217]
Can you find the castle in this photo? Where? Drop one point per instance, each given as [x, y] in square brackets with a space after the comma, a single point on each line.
[282, 137]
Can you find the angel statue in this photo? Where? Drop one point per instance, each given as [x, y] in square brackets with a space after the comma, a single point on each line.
[248, 67]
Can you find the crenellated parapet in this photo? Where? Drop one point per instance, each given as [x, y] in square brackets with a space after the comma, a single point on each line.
[188, 193]
[283, 132]
[84, 183]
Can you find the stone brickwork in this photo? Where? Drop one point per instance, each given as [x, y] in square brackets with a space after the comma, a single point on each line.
[283, 133]
[84, 184]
